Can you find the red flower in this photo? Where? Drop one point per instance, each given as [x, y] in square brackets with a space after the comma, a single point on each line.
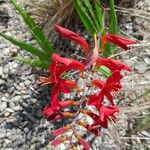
[83, 142]
[95, 100]
[61, 130]
[117, 40]
[90, 128]
[68, 63]
[59, 141]
[57, 67]
[50, 110]
[72, 36]
[60, 115]
[106, 113]
[112, 64]
[112, 85]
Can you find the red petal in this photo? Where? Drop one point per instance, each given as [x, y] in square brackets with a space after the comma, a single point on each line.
[90, 114]
[83, 142]
[54, 96]
[118, 40]
[114, 79]
[58, 141]
[59, 116]
[70, 84]
[71, 63]
[67, 103]
[49, 110]
[61, 130]
[57, 58]
[98, 83]
[112, 64]
[72, 36]
[95, 100]
[109, 96]
[90, 128]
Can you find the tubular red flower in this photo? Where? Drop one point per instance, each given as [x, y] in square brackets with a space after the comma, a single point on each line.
[61, 130]
[106, 113]
[112, 85]
[50, 110]
[69, 63]
[58, 141]
[117, 40]
[112, 64]
[57, 67]
[90, 128]
[72, 36]
[60, 115]
[83, 142]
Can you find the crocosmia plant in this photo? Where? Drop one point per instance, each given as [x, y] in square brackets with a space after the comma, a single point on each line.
[96, 92]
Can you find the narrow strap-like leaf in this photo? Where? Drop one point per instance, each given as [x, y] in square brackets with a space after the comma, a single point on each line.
[113, 18]
[35, 30]
[106, 72]
[85, 17]
[34, 63]
[29, 48]
[99, 13]
[89, 6]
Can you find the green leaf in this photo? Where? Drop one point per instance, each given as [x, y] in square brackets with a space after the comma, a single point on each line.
[94, 18]
[29, 48]
[105, 71]
[34, 63]
[86, 20]
[113, 18]
[99, 13]
[34, 29]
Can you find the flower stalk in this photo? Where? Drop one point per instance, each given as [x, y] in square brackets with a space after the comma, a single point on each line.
[101, 100]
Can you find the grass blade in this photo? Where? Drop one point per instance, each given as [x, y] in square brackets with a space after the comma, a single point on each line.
[34, 63]
[35, 30]
[85, 17]
[29, 48]
[99, 13]
[113, 18]
[93, 15]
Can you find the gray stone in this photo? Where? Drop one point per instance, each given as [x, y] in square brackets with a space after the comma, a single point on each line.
[3, 46]
[141, 67]
[3, 106]
[2, 134]
[2, 82]
[1, 71]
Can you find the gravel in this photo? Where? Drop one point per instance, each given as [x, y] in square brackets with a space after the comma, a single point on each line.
[20, 106]
[22, 126]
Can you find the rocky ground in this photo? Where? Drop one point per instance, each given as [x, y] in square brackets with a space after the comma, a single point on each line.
[22, 126]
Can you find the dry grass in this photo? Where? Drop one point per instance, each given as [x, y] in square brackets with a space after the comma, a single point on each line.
[48, 12]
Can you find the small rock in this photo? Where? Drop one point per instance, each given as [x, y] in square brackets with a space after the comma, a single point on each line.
[147, 60]
[7, 141]
[141, 67]
[7, 114]
[3, 134]
[9, 110]
[3, 46]
[1, 71]
[3, 106]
